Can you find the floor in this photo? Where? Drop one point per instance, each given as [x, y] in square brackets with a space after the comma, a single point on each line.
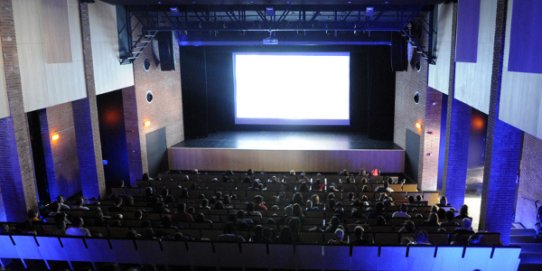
[279, 140]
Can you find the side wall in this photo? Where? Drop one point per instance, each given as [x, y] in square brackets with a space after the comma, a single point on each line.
[165, 111]
[530, 181]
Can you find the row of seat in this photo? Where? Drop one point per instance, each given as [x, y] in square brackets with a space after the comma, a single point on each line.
[255, 255]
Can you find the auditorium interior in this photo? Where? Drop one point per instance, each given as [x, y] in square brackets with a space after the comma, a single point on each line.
[267, 135]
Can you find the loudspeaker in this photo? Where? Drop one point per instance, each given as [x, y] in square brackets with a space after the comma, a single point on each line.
[165, 50]
[399, 52]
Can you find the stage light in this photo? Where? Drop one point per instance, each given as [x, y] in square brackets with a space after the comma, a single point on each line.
[147, 123]
[55, 137]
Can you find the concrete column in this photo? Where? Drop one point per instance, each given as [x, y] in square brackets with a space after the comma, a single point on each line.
[457, 137]
[85, 116]
[457, 151]
[131, 125]
[503, 150]
[16, 163]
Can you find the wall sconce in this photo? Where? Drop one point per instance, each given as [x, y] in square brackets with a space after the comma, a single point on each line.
[147, 123]
[418, 125]
[55, 137]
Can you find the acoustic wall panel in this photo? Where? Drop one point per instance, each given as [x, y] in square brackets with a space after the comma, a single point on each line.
[473, 79]
[45, 83]
[521, 92]
[109, 75]
[56, 31]
[439, 74]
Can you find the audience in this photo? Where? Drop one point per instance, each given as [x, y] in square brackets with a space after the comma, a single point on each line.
[346, 213]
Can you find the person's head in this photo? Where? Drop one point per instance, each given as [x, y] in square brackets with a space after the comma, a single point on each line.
[419, 198]
[149, 191]
[258, 230]
[410, 199]
[339, 234]
[403, 208]
[331, 204]
[358, 232]
[409, 226]
[60, 199]
[308, 204]
[204, 203]
[79, 201]
[464, 211]
[55, 207]
[315, 199]
[443, 201]
[227, 200]
[258, 199]
[297, 198]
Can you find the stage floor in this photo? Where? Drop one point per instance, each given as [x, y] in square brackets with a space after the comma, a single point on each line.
[288, 140]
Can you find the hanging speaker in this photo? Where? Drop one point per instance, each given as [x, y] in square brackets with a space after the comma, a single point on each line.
[399, 52]
[165, 50]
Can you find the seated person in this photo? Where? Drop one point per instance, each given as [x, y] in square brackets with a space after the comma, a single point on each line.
[462, 234]
[338, 239]
[359, 237]
[79, 204]
[402, 213]
[77, 228]
[229, 235]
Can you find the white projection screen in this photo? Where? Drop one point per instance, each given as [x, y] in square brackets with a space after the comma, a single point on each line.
[309, 88]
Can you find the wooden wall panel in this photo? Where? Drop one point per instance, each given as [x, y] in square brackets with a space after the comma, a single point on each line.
[284, 160]
[56, 31]
[4, 107]
[109, 75]
[439, 74]
[47, 84]
[521, 93]
[473, 80]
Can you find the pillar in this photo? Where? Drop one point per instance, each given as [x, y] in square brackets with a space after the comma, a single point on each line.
[503, 150]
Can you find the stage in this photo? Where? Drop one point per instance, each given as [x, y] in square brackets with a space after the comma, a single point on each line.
[282, 151]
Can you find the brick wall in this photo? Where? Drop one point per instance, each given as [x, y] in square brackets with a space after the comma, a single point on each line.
[530, 181]
[503, 150]
[85, 113]
[19, 190]
[164, 111]
[61, 155]
[427, 111]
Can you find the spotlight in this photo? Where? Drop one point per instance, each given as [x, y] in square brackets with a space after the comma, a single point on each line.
[147, 123]
[55, 137]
